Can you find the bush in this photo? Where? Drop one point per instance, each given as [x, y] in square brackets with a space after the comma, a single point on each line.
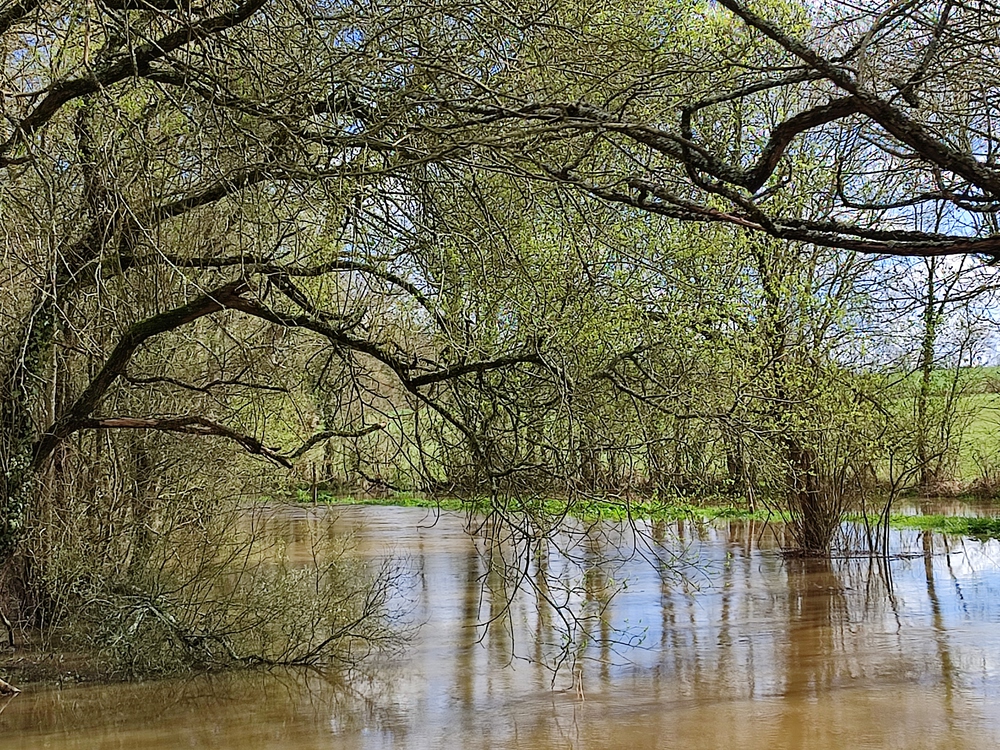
[185, 573]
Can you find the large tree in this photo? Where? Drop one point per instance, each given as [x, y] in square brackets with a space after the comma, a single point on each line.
[190, 191]
[894, 101]
[860, 130]
[184, 185]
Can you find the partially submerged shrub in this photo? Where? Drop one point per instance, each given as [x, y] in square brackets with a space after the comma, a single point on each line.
[213, 600]
[183, 573]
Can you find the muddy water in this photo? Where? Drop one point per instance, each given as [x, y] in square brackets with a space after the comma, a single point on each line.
[945, 506]
[746, 650]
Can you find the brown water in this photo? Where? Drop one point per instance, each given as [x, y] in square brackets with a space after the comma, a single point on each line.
[946, 506]
[748, 651]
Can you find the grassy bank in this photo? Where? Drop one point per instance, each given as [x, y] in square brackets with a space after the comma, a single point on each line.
[588, 510]
[970, 526]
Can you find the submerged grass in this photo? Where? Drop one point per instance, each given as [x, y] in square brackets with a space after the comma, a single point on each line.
[658, 510]
[589, 509]
[970, 526]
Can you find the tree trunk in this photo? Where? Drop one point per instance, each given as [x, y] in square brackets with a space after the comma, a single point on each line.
[735, 466]
[814, 520]
[25, 372]
[925, 458]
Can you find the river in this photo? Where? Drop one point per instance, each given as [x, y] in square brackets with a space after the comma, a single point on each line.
[722, 644]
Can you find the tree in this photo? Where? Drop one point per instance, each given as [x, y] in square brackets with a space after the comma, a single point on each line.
[903, 137]
[196, 198]
[201, 202]
[815, 125]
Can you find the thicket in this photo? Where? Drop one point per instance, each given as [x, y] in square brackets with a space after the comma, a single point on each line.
[506, 251]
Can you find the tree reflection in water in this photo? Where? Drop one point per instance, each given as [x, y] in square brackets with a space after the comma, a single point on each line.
[749, 650]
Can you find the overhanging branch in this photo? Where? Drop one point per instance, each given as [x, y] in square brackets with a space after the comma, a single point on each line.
[117, 362]
[320, 437]
[187, 425]
[136, 62]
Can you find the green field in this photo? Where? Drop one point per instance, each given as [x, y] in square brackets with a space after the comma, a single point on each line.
[979, 451]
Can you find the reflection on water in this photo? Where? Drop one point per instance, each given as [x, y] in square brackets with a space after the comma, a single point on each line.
[745, 650]
[946, 506]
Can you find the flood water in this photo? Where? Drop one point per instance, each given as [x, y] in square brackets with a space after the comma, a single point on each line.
[745, 650]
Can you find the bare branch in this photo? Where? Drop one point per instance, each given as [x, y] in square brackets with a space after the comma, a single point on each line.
[256, 264]
[320, 437]
[187, 425]
[117, 362]
[15, 12]
[207, 387]
[465, 368]
[136, 62]
[907, 130]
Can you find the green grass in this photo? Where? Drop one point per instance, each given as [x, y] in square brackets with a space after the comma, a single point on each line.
[974, 527]
[980, 445]
[400, 501]
[591, 510]
[978, 417]
[983, 528]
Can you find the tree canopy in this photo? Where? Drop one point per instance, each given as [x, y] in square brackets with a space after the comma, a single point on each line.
[484, 247]
[866, 128]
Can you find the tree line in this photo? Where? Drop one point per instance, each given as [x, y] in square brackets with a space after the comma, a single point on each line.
[489, 248]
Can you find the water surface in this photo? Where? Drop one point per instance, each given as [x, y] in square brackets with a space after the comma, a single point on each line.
[745, 649]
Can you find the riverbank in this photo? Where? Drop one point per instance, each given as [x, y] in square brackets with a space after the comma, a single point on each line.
[982, 526]
[31, 665]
